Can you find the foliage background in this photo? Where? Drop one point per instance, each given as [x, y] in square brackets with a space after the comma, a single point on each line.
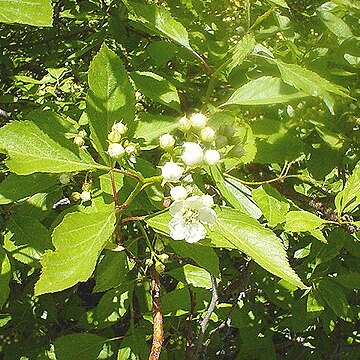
[292, 124]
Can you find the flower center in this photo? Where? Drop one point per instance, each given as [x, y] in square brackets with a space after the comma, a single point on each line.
[190, 216]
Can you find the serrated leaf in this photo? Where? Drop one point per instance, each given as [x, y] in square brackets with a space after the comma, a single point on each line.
[242, 232]
[78, 241]
[271, 204]
[157, 88]
[31, 12]
[299, 221]
[111, 271]
[240, 51]
[5, 276]
[266, 90]
[158, 18]
[335, 24]
[235, 193]
[30, 151]
[27, 239]
[110, 98]
[334, 296]
[16, 187]
[210, 262]
[78, 347]
[192, 275]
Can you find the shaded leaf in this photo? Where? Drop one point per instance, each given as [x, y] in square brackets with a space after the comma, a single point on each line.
[78, 241]
[5, 276]
[334, 296]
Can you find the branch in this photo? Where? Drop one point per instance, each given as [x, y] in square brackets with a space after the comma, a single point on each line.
[188, 352]
[158, 331]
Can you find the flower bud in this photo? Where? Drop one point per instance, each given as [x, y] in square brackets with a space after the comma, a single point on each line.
[171, 172]
[207, 134]
[193, 154]
[130, 149]
[75, 196]
[221, 141]
[114, 136]
[163, 257]
[184, 124]
[211, 157]
[116, 151]
[237, 151]
[159, 266]
[64, 179]
[85, 196]
[198, 121]
[79, 141]
[82, 133]
[120, 128]
[167, 142]
[227, 130]
[178, 193]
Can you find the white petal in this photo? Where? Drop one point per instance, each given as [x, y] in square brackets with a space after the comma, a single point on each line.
[176, 207]
[207, 200]
[207, 216]
[177, 228]
[194, 232]
[178, 193]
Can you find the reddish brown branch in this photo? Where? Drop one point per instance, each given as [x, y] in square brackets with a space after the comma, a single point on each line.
[114, 191]
[158, 330]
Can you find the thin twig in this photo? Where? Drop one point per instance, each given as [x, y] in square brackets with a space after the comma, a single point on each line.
[188, 351]
[209, 311]
[114, 191]
[158, 330]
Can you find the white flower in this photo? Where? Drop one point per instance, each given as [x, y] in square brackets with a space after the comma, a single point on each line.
[166, 141]
[211, 157]
[171, 172]
[120, 128]
[116, 151]
[184, 124]
[198, 121]
[189, 217]
[178, 193]
[85, 196]
[193, 154]
[207, 134]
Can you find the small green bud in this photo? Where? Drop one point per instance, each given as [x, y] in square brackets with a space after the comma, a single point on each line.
[160, 267]
[64, 179]
[184, 124]
[79, 141]
[221, 141]
[75, 196]
[114, 136]
[167, 142]
[207, 134]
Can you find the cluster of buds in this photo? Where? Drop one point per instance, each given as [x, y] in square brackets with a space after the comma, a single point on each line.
[119, 146]
[194, 153]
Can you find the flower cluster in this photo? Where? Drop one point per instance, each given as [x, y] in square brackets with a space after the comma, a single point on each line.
[189, 214]
[195, 152]
[119, 146]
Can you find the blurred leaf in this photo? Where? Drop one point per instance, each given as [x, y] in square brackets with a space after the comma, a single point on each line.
[157, 88]
[334, 296]
[110, 98]
[281, 3]
[271, 204]
[5, 276]
[299, 221]
[30, 150]
[78, 241]
[31, 12]
[350, 280]
[314, 302]
[266, 90]
[335, 24]
[192, 275]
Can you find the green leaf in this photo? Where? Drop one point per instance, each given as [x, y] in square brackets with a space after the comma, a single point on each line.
[27, 239]
[240, 51]
[111, 270]
[281, 3]
[210, 262]
[157, 88]
[158, 18]
[237, 230]
[110, 98]
[350, 280]
[5, 276]
[235, 193]
[350, 193]
[31, 12]
[334, 296]
[299, 221]
[78, 347]
[314, 302]
[271, 204]
[78, 241]
[16, 187]
[30, 151]
[335, 24]
[310, 82]
[150, 127]
[264, 91]
[192, 275]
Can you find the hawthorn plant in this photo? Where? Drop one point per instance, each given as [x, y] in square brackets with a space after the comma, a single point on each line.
[180, 180]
